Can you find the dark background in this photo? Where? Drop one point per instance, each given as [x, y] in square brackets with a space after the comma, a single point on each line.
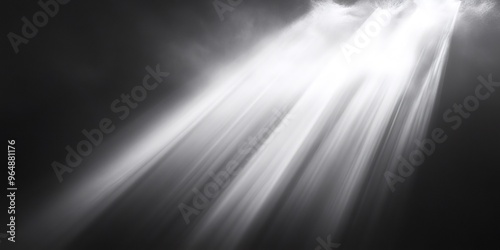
[65, 78]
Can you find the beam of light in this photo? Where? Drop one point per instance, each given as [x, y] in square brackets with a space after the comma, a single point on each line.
[309, 173]
[393, 86]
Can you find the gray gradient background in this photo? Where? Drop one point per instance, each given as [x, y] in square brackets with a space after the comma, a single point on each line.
[64, 79]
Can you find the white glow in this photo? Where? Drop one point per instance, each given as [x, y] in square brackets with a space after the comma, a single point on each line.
[343, 108]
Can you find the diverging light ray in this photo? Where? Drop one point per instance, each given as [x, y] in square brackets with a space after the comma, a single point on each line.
[284, 139]
[339, 128]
